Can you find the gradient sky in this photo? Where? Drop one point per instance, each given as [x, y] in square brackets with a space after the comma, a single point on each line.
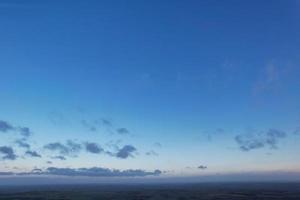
[190, 88]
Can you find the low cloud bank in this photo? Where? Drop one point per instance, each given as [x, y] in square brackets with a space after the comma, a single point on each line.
[88, 172]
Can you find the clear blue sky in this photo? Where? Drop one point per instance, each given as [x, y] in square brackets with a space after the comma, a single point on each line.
[190, 88]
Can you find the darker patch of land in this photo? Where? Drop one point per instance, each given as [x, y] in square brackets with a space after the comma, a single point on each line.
[205, 191]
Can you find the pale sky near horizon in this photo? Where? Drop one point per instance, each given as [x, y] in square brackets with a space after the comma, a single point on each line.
[186, 88]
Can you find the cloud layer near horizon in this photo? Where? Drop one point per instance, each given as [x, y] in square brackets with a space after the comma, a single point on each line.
[89, 172]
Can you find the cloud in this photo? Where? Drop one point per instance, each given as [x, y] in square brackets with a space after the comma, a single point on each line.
[57, 119]
[157, 144]
[7, 153]
[268, 80]
[59, 157]
[93, 148]
[122, 131]
[248, 142]
[5, 126]
[56, 146]
[202, 167]
[254, 140]
[214, 133]
[151, 153]
[272, 137]
[297, 131]
[25, 131]
[106, 122]
[71, 148]
[33, 154]
[114, 143]
[22, 143]
[126, 151]
[89, 125]
[37, 170]
[91, 172]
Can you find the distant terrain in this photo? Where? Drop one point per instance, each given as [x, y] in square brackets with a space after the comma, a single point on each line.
[206, 191]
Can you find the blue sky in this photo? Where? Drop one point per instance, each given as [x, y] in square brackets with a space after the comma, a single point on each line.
[189, 88]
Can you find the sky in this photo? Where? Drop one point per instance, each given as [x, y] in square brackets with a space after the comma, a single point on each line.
[149, 90]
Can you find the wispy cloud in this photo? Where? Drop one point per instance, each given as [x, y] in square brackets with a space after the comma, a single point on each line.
[58, 119]
[33, 154]
[268, 79]
[71, 148]
[297, 131]
[106, 122]
[157, 144]
[59, 157]
[151, 153]
[56, 146]
[5, 126]
[91, 126]
[22, 143]
[256, 140]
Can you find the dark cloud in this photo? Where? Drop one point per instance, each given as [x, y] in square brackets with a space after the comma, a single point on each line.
[7, 153]
[92, 172]
[71, 148]
[122, 131]
[93, 148]
[59, 157]
[22, 143]
[202, 167]
[126, 151]
[49, 162]
[252, 140]
[33, 154]
[25, 131]
[5, 126]
[151, 153]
